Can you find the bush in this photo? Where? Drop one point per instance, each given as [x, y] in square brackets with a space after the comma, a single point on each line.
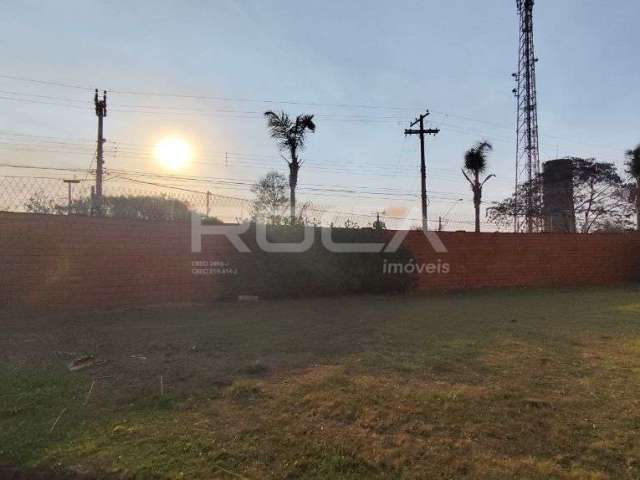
[317, 271]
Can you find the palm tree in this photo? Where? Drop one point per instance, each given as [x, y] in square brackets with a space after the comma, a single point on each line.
[290, 137]
[633, 169]
[475, 163]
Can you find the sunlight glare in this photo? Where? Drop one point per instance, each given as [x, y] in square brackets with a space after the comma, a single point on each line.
[173, 153]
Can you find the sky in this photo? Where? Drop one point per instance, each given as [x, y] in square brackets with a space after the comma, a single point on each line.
[205, 71]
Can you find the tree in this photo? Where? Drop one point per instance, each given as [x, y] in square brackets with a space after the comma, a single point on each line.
[303, 216]
[475, 163]
[149, 207]
[80, 206]
[502, 213]
[271, 198]
[633, 169]
[39, 202]
[600, 198]
[290, 136]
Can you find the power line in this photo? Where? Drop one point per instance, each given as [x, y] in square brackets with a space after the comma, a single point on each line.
[80, 149]
[283, 102]
[382, 191]
[256, 115]
[239, 159]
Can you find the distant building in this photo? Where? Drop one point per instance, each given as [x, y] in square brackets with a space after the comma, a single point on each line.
[557, 196]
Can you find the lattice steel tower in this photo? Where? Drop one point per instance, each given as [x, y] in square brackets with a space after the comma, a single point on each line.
[528, 196]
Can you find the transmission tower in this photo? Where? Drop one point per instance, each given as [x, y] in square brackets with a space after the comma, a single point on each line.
[527, 195]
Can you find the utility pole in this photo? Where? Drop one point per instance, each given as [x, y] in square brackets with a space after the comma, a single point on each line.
[423, 166]
[69, 182]
[378, 224]
[101, 112]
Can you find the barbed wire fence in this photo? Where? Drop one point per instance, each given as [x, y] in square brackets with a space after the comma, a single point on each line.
[51, 195]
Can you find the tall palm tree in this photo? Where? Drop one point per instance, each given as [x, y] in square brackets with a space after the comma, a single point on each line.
[475, 163]
[633, 168]
[290, 136]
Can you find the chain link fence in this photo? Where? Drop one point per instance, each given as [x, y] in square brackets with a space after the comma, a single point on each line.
[139, 199]
[122, 198]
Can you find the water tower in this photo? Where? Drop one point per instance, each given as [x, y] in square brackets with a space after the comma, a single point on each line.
[557, 197]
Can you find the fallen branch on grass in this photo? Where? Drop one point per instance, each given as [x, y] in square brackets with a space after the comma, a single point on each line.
[86, 401]
[57, 420]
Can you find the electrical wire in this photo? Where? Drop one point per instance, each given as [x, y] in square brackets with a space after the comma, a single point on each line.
[283, 102]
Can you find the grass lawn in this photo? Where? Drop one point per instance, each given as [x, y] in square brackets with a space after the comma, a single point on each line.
[511, 384]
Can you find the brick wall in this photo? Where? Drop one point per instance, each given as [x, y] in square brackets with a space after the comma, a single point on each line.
[505, 259]
[69, 263]
[60, 262]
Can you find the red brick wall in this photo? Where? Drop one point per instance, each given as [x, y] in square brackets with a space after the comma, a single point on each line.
[505, 259]
[68, 263]
[60, 262]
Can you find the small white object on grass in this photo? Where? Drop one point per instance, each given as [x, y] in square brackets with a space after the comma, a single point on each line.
[248, 298]
[80, 363]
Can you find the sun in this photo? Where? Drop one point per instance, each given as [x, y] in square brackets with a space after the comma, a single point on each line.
[173, 153]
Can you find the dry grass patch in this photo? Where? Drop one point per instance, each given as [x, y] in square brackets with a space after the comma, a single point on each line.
[488, 385]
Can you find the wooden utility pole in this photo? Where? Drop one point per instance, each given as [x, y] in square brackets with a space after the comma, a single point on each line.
[423, 166]
[69, 182]
[101, 112]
